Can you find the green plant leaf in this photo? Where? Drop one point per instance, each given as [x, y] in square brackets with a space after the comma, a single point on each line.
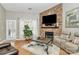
[27, 31]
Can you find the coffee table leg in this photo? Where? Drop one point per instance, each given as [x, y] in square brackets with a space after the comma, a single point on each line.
[46, 49]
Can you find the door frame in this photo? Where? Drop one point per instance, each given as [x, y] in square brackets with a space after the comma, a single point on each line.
[7, 38]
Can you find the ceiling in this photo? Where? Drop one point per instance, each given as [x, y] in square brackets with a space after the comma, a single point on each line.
[24, 7]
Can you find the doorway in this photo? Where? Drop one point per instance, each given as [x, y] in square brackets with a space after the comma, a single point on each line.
[10, 29]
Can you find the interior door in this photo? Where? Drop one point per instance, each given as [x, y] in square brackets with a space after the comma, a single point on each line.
[10, 29]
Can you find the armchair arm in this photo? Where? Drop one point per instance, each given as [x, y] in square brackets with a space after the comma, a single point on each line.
[4, 45]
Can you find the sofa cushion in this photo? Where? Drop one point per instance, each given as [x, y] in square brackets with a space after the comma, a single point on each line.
[77, 53]
[56, 41]
[71, 47]
[4, 45]
[76, 34]
[63, 43]
[65, 36]
[76, 40]
[8, 51]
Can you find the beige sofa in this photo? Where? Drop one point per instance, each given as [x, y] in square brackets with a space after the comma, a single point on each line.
[65, 41]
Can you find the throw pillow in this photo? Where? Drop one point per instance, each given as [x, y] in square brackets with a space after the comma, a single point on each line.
[76, 40]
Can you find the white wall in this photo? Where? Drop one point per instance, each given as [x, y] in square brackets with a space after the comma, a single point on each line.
[25, 16]
[2, 23]
[67, 7]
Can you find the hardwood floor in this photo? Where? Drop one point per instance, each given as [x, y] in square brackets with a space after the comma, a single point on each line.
[20, 43]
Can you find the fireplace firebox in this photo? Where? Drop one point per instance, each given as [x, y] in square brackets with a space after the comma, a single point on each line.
[49, 35]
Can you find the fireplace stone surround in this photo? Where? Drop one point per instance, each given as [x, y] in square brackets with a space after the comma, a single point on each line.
[57, 30]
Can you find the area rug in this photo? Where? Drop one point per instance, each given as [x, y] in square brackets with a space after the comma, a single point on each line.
[39, 50]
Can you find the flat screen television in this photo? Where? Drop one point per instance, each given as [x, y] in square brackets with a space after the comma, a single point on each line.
[49, 19]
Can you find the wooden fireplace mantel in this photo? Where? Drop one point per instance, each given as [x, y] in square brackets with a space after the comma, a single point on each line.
[50, 27]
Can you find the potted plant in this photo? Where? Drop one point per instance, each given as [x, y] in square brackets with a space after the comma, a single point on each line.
[27, 32]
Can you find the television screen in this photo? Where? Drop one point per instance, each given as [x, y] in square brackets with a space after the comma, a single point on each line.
[49, 19]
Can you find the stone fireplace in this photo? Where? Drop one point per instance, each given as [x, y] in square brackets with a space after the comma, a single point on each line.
[56, 30]
[49, 34]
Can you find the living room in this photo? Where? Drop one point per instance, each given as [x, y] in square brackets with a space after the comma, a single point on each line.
[57, 37]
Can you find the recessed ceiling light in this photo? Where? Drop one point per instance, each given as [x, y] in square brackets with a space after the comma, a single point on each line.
[29, 8]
